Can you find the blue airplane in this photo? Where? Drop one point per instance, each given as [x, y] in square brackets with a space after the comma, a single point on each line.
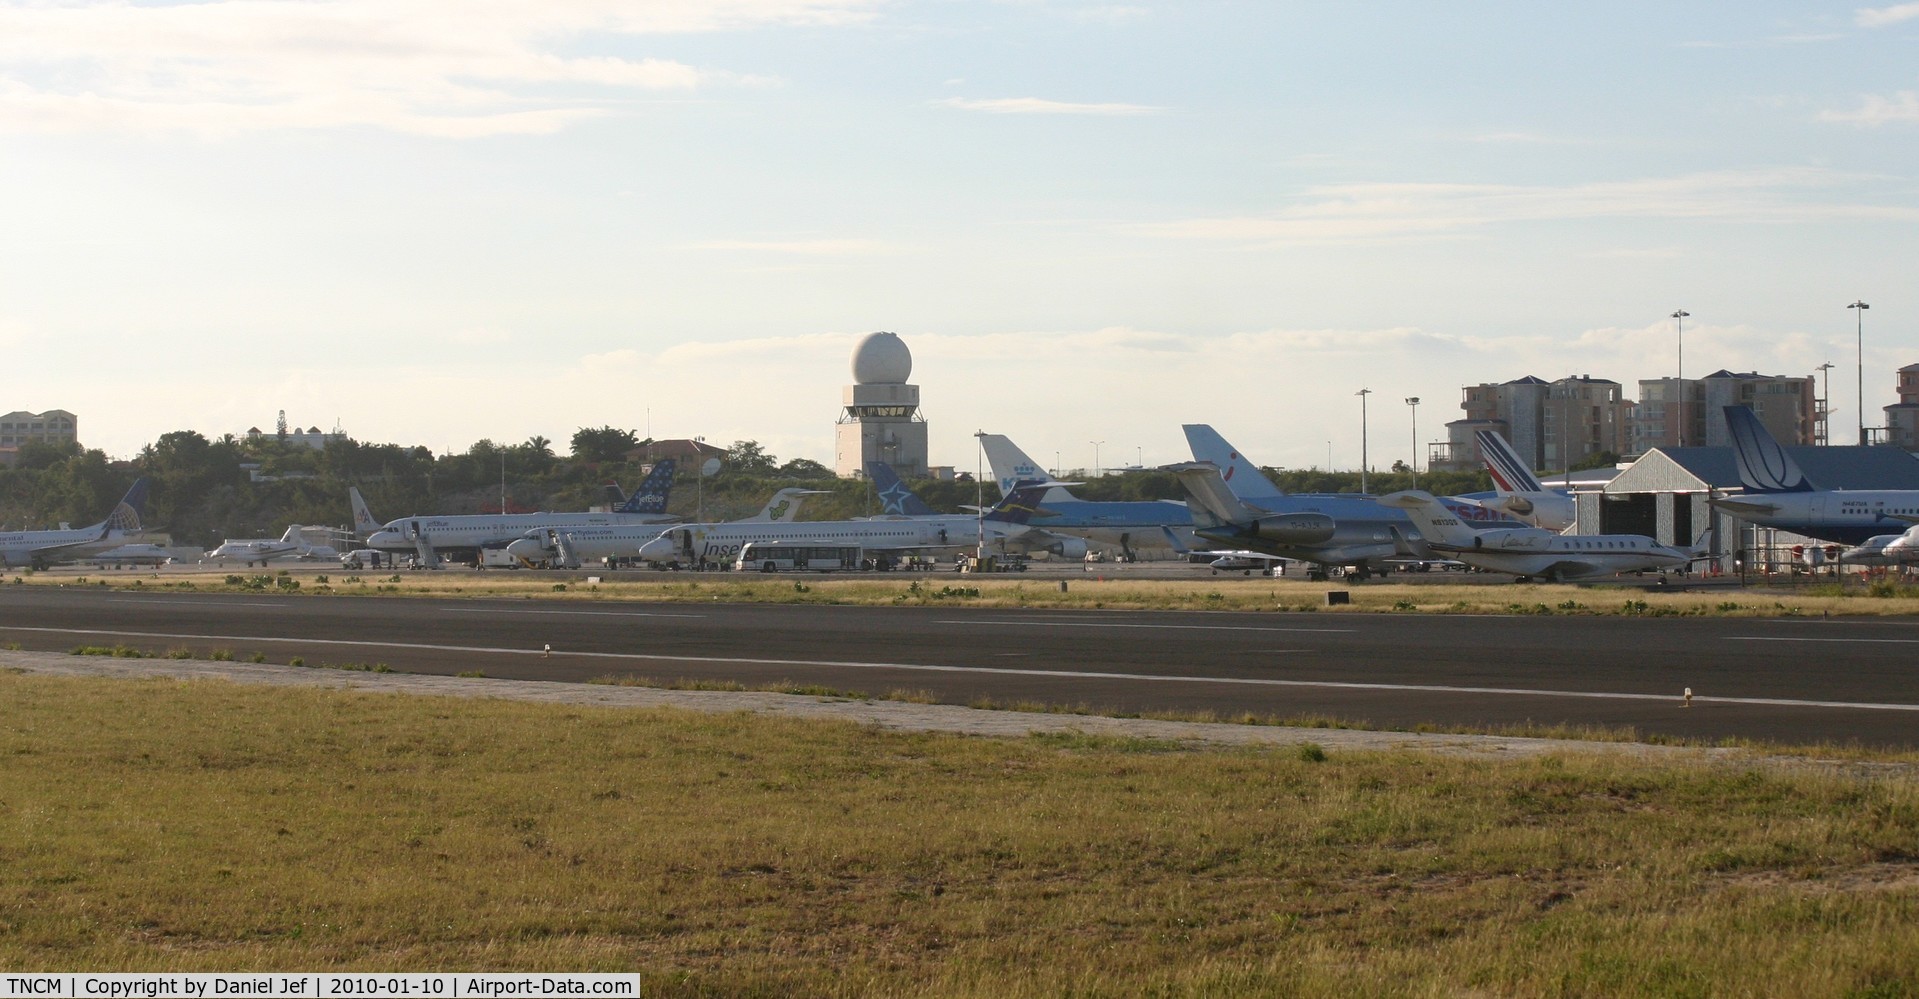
[1127, 525]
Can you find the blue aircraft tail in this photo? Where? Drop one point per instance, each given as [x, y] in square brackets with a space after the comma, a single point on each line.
[1019, 506]
[896, 498]
[1764, 466]
[126, 515]
[650, 495]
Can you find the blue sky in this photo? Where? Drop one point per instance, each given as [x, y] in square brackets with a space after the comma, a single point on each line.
[439, 221]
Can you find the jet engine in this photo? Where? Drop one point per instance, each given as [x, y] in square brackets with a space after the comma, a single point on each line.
[1294, 528]
[1068, 548]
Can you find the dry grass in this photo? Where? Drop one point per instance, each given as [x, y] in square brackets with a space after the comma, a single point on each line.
[1091, 592]
[200, 826]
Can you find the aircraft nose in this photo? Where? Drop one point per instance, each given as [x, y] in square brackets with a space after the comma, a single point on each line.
[525, 548]
[655, 549]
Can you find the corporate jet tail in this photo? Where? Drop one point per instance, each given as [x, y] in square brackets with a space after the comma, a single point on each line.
[1435, 522]
[897, 499]
[650, 495]
[363, 523]
[1764, 466]
[1240, 476]
[1510, 473]
[1212, 503]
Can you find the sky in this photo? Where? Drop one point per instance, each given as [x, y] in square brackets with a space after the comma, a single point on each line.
[437, 221]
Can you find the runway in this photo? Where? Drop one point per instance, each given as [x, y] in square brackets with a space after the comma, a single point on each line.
[1786, 679]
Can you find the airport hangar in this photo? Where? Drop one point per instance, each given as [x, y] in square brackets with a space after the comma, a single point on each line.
[1665, 494]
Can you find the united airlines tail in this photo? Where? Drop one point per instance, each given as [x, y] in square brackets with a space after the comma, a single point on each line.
[125, 517]
[650, 495]
[1764, 466]
[896, 498]
[1240, 475]
[363, 523]
[1510, 472]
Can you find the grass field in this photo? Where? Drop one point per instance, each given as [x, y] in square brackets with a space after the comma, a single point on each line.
[207, 826]
[1089, 592]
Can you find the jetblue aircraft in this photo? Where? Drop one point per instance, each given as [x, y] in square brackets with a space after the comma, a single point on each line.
[41, 548]
[464, 535]
[1122, 524]
[1779, 495]
[1530, 552]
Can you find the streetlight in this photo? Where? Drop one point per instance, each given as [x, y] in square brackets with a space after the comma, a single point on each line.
[1680, 386]
[1413, 401]
[1825, 405]
[1860, 332]
[1096, 445]
[1362, 394]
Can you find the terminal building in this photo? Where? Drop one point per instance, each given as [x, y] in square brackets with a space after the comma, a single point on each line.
[880, 416]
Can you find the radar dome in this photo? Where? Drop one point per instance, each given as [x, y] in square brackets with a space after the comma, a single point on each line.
[882, 359]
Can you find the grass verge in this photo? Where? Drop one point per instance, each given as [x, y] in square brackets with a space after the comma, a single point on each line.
[203, 826]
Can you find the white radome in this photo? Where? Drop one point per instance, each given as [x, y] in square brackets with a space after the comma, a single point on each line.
[882, 359]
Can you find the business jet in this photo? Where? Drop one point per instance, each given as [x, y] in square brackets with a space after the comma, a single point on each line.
[1778, 494]
[1532, 552]
[260, 551]
[461, 537]
[40, 549]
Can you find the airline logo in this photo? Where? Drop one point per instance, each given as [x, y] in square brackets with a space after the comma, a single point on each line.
[892, 498]
[1232, 465]
[1022, 472]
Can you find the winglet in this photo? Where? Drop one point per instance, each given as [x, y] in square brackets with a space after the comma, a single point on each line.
[1764, 466]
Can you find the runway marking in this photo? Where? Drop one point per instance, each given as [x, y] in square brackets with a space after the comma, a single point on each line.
[999, 670]
[1167, 627]
[1785, 638]
[574, 613]
[249, 604]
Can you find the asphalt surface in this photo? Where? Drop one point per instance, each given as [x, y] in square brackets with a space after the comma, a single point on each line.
[1789, 680]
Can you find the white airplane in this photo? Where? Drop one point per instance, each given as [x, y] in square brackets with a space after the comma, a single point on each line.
[1002, 528]
[41, 548]
[1886, 549]
[1532, 552]
[463, 536]
[1778, 494]
[292, 544]
[135, 554]
[1521, 494]
[574, 546]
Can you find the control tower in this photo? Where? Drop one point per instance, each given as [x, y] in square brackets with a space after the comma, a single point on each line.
[881, 420]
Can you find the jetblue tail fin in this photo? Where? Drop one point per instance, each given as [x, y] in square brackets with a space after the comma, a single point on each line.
[651, 494]
[1510, 472]
[1240, 475]
[363, 523]
[1764, 466]
[896, 499]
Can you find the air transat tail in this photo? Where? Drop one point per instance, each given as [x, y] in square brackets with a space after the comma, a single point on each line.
[1764, 466]
[896, 498]
[650, 495]
[1240, 475]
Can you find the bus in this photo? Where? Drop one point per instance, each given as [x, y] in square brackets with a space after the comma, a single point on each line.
[798, 556]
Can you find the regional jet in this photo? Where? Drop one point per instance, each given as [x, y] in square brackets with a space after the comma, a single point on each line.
[40, 549]
[1532, 552]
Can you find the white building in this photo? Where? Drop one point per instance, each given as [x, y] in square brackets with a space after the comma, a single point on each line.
[881, 418]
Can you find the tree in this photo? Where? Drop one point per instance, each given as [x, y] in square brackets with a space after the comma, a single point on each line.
[603, 443]
[805, 468]
[749, 458]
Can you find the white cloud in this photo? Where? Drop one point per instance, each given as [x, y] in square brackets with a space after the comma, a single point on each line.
[1036, 105]
[1398, 211]
[1879, 17]
[230, 65]
[1876, 110]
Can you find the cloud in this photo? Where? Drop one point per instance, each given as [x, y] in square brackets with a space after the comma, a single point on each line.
[1036, 105]
[1875, 110]
[1879, 17]
[225, 66]
[798, 247]
[1347, 213]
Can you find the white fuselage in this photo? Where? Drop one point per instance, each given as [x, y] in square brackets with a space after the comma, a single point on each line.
[1539, 552]
[494, 530]
[722, 542]
[1848, 516]
[28, 547]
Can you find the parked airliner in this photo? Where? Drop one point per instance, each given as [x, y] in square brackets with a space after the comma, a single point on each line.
[1777, 494]
[42, 548]
[1123, 524]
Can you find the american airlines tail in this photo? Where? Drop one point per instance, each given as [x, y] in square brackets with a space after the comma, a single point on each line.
[1510, 472]
[363, 523]
[650, 495]
[897, 499]
[1240, 475]
[1764, 466]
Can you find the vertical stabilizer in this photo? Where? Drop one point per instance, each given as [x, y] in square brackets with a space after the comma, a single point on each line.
[1434, 521]
[896, 498]
[1764, 466]
[363, 522]
[1239, 474]
[1019, 506]
[125, 518]
[651, 494]
[1510, 473]
[1211, 502]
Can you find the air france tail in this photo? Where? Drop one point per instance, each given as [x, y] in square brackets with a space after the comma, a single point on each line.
[1764, 466]
[896, 498]
[1509, 471]
[363, 523]
[650, 495]
[1238, 473]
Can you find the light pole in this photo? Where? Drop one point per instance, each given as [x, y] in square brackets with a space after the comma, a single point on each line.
[1679, 386]
[1362, 394]
[1860, 332]
[1824, 433]
[1413, 401]
[1096, 445]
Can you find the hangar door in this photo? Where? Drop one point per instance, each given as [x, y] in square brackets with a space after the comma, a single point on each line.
[1631, 513]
